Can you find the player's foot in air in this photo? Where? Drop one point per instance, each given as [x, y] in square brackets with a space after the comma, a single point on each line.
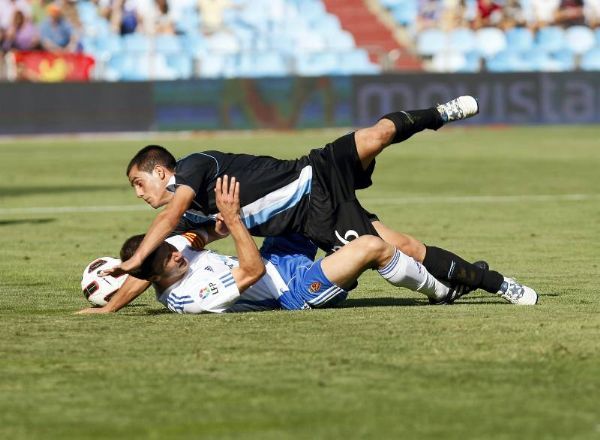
[462, 107]
[517, 293]
[456, 291]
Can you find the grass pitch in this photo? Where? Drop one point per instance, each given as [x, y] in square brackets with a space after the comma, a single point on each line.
[386, 365]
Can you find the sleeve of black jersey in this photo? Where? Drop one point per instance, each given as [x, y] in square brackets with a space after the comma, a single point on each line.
[196, 171]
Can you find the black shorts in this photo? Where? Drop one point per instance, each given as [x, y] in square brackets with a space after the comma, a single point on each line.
[334, 215]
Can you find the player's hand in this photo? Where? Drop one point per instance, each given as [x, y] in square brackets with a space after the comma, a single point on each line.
[121, 269]
[227, 197]
[92, 310]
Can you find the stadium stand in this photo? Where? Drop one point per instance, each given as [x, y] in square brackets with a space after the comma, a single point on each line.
[138, 40]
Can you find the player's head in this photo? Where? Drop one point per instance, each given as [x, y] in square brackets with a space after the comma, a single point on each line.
[149, 172]
[165, 265]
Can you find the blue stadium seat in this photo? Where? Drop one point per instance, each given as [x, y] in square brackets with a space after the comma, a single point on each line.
[341, 41]
[431, 41]
[550, 39]
[316, 64]
[519, 38]
[265, 64]
[136, 43]
[405, 12]
[182, 65]
[107, 46]
[167, 44]
[541, 61]
[223, 43]
[591, 60]
[217, 66]
[580, 39]
[356, 62]
[448, 61]
[462, 40]
[490, 41]
[565, 59]
[507, 61]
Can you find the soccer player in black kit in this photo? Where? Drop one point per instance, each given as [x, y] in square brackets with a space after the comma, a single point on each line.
[313, 195]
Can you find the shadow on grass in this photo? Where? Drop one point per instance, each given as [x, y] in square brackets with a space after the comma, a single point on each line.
[381, 302]
[19, 191]
[30, 221]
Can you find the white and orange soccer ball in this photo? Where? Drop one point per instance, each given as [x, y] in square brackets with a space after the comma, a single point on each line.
[98, 290]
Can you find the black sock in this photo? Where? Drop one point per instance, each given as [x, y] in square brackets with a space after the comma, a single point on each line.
[446, 266]
[413, 121]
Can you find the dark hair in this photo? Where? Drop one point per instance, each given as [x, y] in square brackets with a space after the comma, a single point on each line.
[150, 156]
[154, 263]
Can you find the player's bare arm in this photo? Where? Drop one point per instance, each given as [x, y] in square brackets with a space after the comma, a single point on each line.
[130, 290]
[164, 223]
[251, 266]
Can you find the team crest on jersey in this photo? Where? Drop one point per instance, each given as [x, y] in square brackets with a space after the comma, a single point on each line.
[211, 289]
[314, 287]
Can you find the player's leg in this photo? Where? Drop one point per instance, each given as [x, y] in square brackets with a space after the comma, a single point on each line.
[371, 252]
[398, 126]
[463, 276]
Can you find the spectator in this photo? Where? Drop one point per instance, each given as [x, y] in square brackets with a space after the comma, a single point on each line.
[56, 33]
[489, 13]
[154, 17]
[430, 13]
[8, 8]
[22, 35]
[212, 12]
[513, 14]
[569, 13]
[121, 14]
[591, 11]
[540, 13]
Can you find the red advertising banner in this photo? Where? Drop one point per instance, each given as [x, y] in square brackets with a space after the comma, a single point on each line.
[49, 67]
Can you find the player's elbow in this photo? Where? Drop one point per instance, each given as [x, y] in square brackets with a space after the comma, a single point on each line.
[249, 276]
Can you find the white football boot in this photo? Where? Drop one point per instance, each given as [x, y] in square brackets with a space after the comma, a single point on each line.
[516, 293]
[462, 107]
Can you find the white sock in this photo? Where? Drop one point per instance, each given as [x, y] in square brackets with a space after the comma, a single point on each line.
[403, 271]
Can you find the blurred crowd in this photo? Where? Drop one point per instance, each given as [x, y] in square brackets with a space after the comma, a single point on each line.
[38, 25]
[54, 26]
[534, 14]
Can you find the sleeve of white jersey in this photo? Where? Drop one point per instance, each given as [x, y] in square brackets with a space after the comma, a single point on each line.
[209, 295]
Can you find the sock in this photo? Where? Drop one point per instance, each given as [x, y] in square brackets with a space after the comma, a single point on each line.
[446, 266]
[414, 121]
[403, 271]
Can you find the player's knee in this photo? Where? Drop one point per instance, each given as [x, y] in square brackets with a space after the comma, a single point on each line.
[413, 248]
[371, 247]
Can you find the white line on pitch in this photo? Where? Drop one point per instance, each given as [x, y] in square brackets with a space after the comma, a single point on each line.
[375, 201]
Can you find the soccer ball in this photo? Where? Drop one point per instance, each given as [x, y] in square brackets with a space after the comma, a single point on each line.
[96, 289]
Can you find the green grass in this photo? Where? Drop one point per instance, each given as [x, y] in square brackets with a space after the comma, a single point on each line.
[386, 365]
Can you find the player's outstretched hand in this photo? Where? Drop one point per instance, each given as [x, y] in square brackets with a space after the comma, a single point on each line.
[227, 197]
[121, 269]
[92, 310]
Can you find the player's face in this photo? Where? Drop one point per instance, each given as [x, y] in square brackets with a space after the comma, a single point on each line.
[150, 186]
[175, 267]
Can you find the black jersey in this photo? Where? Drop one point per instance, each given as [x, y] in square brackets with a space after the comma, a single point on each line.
[274, 192]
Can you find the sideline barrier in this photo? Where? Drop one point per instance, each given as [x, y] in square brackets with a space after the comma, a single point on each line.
[291, 103]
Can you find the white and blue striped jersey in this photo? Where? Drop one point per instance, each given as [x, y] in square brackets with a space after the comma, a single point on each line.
[208, 285]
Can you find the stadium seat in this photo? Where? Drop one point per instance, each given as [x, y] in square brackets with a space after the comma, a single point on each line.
[167, 44]
[462, 40]
[316, 64]
[541, 61]
[591, 60]
[405, 12]
[265, 64]
[341, 41]
[217, 66]
[223, 43]
[356, 62]
[136, 43]
[490, 41]
[507, 61]
[107, 46]
[431, 41]
[580, 39]
[519, 38]
[182, 65]
[550, 39]
[565, 59]
[448, 61]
